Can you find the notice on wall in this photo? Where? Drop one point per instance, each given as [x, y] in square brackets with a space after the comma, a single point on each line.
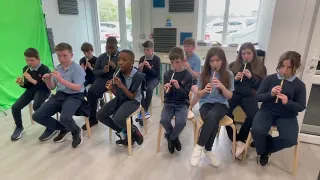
[168, 22]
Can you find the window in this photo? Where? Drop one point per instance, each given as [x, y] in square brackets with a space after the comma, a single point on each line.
[231, 21]
[111, 22]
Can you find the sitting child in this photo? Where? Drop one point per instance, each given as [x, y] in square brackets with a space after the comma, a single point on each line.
[88, 62]
[126, 86]
[215, 88]
[36, 89]
[283, 95]
[177, 84]
[68, 78]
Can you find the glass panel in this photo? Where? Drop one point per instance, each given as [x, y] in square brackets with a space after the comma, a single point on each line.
[311, 123]
[129, 24]
[242, 21]
[214, 20]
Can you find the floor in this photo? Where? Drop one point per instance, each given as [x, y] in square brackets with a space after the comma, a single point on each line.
[100, 159]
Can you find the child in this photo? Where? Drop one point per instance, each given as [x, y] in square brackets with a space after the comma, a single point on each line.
[193, 65]
[149, 64]
[215, 88]
[291, 94]
[247, 82]
[36, 89]
[103, 70]
[88, 62]
[177, 84]
[127, 89]
[68, 78]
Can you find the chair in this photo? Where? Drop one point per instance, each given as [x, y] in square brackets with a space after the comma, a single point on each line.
[295, 153]
[31, 112]
[226, 121]
[190, 117]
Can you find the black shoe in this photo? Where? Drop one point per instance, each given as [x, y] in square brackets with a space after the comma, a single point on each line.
[61, 136]
[47, 134]
[92, 123]
[77, 139]
[170, 146]
[252, 144]
[136, 135]
[17, 133]
[177, 144]
[264, 159]
[123, 141]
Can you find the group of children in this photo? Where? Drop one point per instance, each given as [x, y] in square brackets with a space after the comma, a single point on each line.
[217, 87]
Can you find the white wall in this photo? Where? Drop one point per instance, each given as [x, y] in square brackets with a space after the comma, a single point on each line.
[290, 29]
[72, 29]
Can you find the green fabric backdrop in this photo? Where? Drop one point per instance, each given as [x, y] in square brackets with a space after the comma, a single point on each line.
[22, 25]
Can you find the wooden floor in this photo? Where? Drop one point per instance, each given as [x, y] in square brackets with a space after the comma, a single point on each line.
[99, 159]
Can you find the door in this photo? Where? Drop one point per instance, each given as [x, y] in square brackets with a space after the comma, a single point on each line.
[310, 118]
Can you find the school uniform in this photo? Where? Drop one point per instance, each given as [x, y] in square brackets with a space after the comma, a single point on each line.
[89, 79]
[244, 95]
[176, 103]
[195, 65]
[38, 93]
[98, 87]
[121, 107]
[213, 107]
[283, 116]
[66, 101]
[152, 79]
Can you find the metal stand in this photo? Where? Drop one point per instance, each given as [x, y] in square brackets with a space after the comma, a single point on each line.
[4, 112]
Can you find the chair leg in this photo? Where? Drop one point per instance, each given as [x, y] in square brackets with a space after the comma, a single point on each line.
[195, 136]
[31, 112]
[295, 159]
[143, 113]
[234, 139]
[57, 116]
[110, 134]
[129, 134]
[218, 132]
[248, 141]
[88, 126]
[159, 137]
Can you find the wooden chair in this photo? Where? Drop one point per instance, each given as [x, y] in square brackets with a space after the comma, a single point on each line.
[190, 117]
[295, 153]
[226, 121]
[31, 112]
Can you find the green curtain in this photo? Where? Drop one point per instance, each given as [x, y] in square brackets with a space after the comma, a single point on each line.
[22, 25]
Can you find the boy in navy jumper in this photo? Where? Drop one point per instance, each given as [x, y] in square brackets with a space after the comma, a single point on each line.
[88, 62]
[149, 64]
[177, 85]
[127, 89]
[282, 113]
[36, 89]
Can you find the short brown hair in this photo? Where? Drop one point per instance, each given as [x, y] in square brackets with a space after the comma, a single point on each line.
[176, 53]
[148, 44]
[63, 47]
[86, 47]
[31, 52]
[131, 54]
[189, 41]
[295, 60]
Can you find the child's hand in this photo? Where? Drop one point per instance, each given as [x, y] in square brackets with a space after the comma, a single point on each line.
[112, 64]
[140, 66]
[175, 83]
[283, 98]
[46, 77]
[117, 81]
[208, 87]
[88, 65]
[57, 75]
[106, 68]
[247, 73]
[27, 76]
[238, 76]
[167, 87]
[276, 90]
[19, 81]
[217, 83]
[83, 66]
[186, 64]
[146, 63]
[109, 85]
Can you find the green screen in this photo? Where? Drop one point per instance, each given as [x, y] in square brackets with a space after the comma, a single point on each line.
[22, 25]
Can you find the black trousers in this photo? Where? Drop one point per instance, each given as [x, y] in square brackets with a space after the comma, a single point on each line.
[89, 80]
[146, 100]
[250, 107]
[38, 98]
[211, 114]
[119, 116]
[67, 104]
[288, 132]
[94, 93]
